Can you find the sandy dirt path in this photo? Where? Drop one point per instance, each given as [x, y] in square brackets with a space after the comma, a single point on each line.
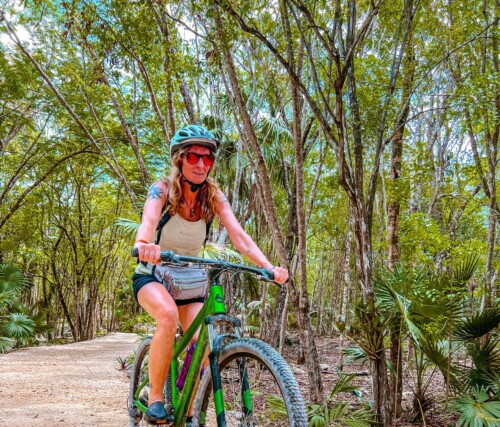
[73, 385]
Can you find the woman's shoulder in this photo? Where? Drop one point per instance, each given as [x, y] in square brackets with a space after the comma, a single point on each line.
[163, 183]
[221, 197]
[160, 184]
[158, 190]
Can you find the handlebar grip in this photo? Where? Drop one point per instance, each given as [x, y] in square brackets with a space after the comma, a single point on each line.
[267, 274]
[166, 256]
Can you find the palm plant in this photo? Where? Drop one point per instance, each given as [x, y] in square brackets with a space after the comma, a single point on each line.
[477, 410]
[17, 328]
[341, 413]
[129, 226]
[431, 311]
[419, 305]
[474, 334]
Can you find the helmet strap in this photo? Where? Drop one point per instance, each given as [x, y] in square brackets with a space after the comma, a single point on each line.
[194, 187]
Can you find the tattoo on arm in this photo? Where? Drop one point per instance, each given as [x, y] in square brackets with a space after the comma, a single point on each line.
[249, 251]
[155, 192]
[223, 199]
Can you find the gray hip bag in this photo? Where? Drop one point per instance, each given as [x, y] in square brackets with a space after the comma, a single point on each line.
[183, 283]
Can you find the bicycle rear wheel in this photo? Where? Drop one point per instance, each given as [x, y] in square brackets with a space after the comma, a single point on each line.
[138, 375]
[257, 386]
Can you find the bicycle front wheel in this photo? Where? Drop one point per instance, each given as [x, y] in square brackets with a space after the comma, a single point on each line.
[258, 389]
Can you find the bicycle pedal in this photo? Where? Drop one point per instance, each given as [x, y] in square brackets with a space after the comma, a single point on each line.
[169, 422]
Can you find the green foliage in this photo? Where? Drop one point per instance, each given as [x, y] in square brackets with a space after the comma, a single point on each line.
[140, 324]
[16, 327]
[477, 410]
[475, 333]
[125, 363]
[12, 280]
[129, 73]
[19, 325]
[214, 250]
[430, 308]
[129, 226]
[478, 325]
[343, 413]
[277, 408]
[353, 354]
[422, 238]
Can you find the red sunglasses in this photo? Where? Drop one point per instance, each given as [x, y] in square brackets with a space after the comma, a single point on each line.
[193, 158]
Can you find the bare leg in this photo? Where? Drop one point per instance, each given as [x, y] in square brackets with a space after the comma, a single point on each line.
[155, 299]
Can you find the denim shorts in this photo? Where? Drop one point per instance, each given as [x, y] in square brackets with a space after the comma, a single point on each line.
[141, 280]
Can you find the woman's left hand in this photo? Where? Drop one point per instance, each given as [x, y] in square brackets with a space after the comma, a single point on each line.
[280, 274]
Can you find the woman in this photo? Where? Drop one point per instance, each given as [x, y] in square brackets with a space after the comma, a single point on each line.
[192, 199]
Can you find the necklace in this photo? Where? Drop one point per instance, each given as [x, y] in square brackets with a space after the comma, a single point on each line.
[191, 208]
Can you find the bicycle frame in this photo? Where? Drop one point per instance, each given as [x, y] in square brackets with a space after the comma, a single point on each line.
[213, 311]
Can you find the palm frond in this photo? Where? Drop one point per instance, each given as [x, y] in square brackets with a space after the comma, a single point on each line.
[476, 411]
[436, 352]
[465, 270]
[274, 135]
[274, 130]
[485, 355]
[361, 417]
[19, 326]
[6, 344]
[343, 385]
[7, 297]
[340, 414]
[388, 299]
[129, 226]
[253, 307]
[11, 278]
[352, 354]
[316, 415]
[424, 312]
[391, 301]
[214, 250]
[478, 325]
[277, 404]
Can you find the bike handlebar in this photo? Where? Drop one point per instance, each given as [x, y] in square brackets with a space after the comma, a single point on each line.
[171, 258]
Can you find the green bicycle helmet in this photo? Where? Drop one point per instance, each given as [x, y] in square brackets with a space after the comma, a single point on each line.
[193, 134]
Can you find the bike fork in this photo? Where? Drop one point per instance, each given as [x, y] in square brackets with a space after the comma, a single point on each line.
[215, 347]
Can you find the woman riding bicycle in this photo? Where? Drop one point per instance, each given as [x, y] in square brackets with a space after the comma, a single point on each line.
[192, 200]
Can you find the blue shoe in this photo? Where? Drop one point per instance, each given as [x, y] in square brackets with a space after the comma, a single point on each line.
[156, 414]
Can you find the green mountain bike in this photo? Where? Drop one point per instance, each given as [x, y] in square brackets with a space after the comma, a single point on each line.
[247, 383]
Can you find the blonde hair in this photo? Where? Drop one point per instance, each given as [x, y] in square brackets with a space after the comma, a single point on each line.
[207, 193]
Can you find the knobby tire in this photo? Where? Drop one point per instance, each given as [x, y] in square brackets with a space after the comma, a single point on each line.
[275, 395]
[139, 369]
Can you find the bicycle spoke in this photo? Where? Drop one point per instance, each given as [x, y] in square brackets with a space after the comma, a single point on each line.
[253, 396]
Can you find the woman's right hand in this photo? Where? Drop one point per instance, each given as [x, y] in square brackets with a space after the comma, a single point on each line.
[148, 252]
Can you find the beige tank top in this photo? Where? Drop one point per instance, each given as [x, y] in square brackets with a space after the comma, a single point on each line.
[180, 236]
[183, 237]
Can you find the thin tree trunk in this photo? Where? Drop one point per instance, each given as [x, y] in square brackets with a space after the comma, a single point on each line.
[60, 295]
[308, 342]
[396, 376]
[346, 272]
[491, 145]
